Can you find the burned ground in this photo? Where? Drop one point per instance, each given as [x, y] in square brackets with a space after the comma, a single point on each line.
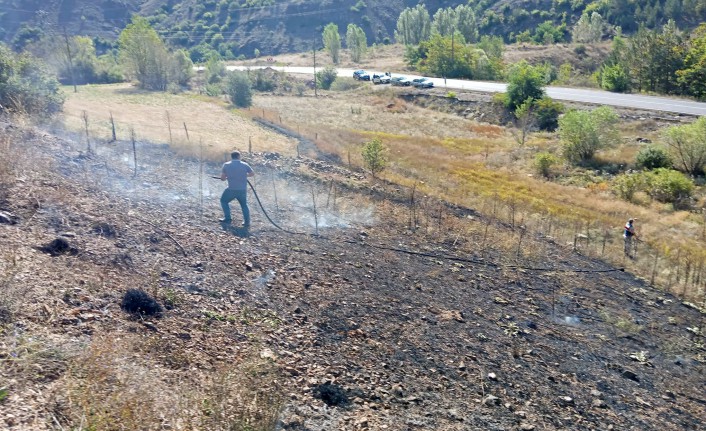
[369, 324]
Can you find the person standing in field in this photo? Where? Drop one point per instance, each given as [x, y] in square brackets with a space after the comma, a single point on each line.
[629, 235]
[237, 173]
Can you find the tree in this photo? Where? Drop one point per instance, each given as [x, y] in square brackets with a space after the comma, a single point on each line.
[356, 42]
[239, 89]
[524, 82]
[374, 156]
[582, 133]
[466, 23]
[445, 22]
[588, 29]
[692, 76]
[143, 55]
[326, 77]
[413, 25]
[524, 120]
[687, 146]
[332, 41]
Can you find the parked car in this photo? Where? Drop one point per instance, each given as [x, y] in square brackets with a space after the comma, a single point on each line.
[422, 83]
[400, 81]
[361, 75]
[381, 79]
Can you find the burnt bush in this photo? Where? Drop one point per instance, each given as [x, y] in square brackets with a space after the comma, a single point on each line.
[332, 395]
[58, 247]
[137, 301]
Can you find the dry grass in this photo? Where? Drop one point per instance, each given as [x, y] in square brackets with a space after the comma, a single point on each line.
[208, 120]
[111, 387]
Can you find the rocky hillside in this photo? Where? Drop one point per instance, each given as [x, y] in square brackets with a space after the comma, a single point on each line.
[126, 305]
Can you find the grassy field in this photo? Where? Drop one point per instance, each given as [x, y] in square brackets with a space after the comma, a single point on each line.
[462, 161]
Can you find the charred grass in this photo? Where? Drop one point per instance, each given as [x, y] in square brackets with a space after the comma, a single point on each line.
[462, 161]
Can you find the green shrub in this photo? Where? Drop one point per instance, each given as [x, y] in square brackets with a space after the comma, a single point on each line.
[543, 163]
[614, 78]
[668, 185]
[239, 89]
[451, 95]
[264, 81]
[214, 90]
[345, 84]
[582, 133]
[626, 185]
[524, 81]
[326, 77]
[546, 112]
[653, 157]
[26, 85]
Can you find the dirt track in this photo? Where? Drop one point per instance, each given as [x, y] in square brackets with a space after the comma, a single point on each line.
[369, 324]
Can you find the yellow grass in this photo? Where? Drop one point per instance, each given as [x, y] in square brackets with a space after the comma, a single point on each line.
[207, 120]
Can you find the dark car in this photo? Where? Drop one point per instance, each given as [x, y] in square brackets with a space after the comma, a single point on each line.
[422, 83]
[361, 75]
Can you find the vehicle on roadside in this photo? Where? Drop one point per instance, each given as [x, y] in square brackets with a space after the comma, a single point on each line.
[400, 81]
[361, 75]
[381, 79]
[422, 83]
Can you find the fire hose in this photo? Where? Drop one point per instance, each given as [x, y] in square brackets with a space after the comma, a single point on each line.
[264, 211]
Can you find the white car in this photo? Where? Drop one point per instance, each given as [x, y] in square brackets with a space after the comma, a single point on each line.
[381, 79]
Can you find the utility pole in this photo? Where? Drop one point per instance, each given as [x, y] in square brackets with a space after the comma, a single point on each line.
[71, 61]
[315, 93]
[453, 59]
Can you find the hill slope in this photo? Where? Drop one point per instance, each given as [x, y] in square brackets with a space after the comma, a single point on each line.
[365, 326]
[236, 28]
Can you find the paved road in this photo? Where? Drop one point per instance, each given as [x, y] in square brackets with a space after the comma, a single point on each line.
[651, 103]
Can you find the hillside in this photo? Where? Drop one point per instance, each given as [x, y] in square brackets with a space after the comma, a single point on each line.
[236, 29]
[354, 321]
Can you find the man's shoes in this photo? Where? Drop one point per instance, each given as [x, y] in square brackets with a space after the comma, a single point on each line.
[225, 220]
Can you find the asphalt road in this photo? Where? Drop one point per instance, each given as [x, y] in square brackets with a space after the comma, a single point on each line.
[650, 103]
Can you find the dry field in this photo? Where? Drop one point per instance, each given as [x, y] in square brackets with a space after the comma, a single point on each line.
[464, 162]
[208, 120]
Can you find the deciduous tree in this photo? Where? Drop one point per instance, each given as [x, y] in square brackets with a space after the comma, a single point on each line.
[332, 41]
[356, 42]
[413, 25]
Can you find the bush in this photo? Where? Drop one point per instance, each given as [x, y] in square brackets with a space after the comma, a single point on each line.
[345, 84]
[668, 185]
[239, 89]
[614, 78]
[264, 81]
[546, 112]
[543, 163]
[582, 133]
[653, 157]
[626, 185]
[524, 81]
[26, 85]
[326, 77]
